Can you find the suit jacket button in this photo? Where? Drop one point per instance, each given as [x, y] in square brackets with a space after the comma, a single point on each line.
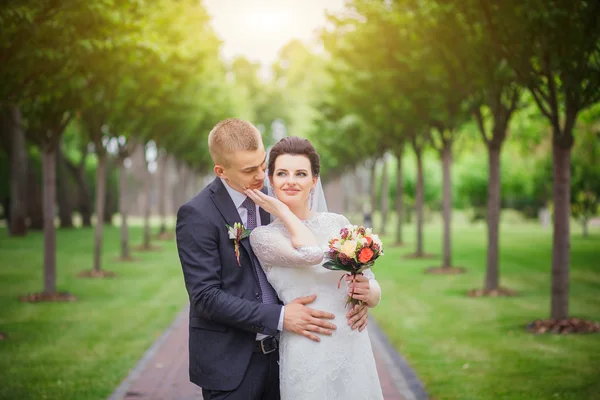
[257, 295]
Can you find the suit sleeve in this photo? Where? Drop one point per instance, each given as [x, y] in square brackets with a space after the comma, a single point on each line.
[197, 244]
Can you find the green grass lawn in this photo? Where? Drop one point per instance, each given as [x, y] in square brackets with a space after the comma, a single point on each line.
[81, 350]
[465, 348]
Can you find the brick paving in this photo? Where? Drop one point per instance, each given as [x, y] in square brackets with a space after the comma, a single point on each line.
[162, 374]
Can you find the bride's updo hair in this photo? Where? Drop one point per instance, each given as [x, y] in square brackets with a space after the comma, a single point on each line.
[295, 146]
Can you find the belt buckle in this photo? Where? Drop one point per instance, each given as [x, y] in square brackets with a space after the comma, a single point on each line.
[262, 346]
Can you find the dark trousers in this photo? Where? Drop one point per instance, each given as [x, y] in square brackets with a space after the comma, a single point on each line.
[260, 382]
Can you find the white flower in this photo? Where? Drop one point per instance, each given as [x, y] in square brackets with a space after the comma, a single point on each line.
[377, 241]
[232, 232]
[349, 248]
[363, 241]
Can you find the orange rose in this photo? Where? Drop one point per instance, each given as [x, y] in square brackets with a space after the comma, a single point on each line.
[369, 241]
[365, 255]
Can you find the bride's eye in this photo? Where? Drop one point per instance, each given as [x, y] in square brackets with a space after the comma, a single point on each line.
[281, 173]
[301, 174]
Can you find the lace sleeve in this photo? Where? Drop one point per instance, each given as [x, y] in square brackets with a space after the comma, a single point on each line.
[273, 247]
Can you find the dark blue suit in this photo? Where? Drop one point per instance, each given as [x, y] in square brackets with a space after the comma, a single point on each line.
[226, 311]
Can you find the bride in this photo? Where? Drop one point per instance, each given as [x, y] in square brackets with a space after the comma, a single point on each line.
[291, 251]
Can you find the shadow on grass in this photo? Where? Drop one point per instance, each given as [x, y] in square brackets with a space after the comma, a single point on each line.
[445, 270]
[48, 297]
[129, 259]
[149, 248]
[422, 256]
[92, 273]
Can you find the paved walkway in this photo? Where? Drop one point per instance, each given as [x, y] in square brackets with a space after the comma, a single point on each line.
[162, 374]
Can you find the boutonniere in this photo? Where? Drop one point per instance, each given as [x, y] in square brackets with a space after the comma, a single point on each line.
[237, 232]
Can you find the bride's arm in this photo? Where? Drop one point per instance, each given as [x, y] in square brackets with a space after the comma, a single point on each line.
[300, 235]
[272, 247]
[374, 289]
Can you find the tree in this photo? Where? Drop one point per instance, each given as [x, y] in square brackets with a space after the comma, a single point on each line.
[46, 123]
[17, 151]
[41, 58]
[553, 48]
[494, 99]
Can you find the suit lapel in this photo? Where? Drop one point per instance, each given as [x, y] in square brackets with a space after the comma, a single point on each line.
[225, 205]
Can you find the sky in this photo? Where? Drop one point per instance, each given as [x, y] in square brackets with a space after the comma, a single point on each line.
[257, 29]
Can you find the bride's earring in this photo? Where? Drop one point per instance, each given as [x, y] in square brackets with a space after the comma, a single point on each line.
[312, 197]
[272, 190]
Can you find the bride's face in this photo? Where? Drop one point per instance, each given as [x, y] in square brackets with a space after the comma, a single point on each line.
[292, 179]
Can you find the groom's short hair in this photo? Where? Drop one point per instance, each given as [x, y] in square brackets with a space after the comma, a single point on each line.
[230, 135]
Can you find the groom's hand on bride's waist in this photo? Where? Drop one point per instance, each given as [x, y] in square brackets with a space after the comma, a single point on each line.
[305, 321]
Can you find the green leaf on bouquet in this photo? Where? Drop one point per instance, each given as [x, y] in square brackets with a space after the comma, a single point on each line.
[246, 233]
[337, 267]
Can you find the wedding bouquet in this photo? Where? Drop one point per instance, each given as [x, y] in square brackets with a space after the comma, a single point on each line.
[353, 251]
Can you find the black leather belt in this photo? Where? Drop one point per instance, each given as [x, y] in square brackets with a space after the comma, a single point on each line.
[266, 345]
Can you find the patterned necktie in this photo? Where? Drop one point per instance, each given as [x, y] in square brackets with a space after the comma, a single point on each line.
[268, 293]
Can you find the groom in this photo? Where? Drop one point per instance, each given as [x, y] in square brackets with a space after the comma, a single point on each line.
[235, 315]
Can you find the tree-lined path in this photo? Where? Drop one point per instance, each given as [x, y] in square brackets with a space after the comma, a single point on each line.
[466, 133]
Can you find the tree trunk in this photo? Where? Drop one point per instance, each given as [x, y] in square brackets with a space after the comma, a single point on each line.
[100, 198]
[447, 202]
[147, 205]
[109, 210]
[373, 191]
[175, 195]
[183, 177]
[146, 199]
[399, 195]
[110, 205]
[49, 196]
[356, 188]
[419, 202]
[492, 280]
[561, 240]
[35, 203]
[162, 192]
[385, 195]
[18, 175]
[584, 223]
[85, 202]
[65, 207]
[123, 209]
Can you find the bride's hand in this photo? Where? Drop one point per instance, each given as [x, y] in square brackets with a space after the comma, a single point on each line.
[270, 204]
[359, 287]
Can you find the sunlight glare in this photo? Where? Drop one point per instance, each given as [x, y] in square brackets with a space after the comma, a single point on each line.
[267, 21]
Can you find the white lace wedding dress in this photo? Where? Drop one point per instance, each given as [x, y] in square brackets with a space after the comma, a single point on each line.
[341, 366]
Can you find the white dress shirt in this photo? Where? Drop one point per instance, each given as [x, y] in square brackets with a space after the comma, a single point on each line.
[238, 198]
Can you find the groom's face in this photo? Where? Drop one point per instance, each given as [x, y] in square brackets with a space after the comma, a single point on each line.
[245, 170]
